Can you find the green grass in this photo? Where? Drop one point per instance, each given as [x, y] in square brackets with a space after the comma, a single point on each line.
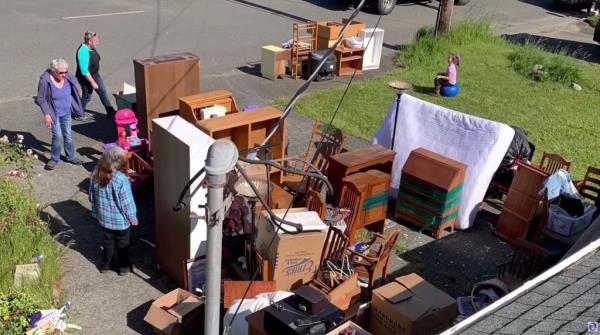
[592, 20]
[557, 118]
[23, 235]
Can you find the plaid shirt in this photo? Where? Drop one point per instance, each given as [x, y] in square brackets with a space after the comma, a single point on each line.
[113, 206]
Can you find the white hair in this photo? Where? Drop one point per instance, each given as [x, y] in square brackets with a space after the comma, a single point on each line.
[55, 63]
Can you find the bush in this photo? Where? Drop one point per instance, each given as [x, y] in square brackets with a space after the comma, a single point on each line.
[15, 311]
[592, 20]
[428, 48]
[554, 67]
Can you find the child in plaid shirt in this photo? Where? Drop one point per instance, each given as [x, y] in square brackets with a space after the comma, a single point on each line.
[113, 206]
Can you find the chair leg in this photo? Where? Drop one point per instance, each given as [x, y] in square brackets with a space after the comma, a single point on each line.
[371, 280]
[384, 274]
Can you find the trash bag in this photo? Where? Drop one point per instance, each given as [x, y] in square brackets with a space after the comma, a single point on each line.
[520, 147]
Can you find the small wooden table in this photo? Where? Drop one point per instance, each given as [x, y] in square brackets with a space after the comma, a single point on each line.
[274, 61]
[375, 157]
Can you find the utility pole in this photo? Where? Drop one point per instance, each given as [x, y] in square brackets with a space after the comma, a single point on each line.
[445, 16]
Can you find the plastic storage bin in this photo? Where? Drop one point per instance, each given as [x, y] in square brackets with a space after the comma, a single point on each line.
[560, 222]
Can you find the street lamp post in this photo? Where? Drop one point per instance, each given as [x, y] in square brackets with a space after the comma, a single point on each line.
[401, 87]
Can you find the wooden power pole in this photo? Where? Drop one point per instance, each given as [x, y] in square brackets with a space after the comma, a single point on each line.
[445, 16]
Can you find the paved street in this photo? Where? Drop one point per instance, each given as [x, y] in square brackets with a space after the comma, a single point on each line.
[226, 35]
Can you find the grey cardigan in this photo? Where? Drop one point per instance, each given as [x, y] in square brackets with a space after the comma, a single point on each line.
[44, 95]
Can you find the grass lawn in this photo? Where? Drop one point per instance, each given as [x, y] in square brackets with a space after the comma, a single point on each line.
[557, 118]
[23, 235]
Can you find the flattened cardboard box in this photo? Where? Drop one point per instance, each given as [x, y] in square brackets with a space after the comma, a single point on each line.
[293, 258]
[176, 313]
[411, 305]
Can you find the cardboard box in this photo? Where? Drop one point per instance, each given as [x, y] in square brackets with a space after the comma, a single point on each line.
[349, 326]
[176, 313]
[411, 305]
[354, 28]
[293, 258]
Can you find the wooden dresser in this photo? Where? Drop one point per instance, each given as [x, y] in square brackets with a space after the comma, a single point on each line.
[374, 157]
[374, 187]
[429, 192]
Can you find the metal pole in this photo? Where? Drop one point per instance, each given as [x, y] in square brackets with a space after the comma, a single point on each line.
[396, 120]
[221, 158]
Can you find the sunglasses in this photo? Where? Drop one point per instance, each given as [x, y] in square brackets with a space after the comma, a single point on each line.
[62, 72]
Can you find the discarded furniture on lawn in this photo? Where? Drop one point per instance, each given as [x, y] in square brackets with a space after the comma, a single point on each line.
[322, 145]
[552, 162]
[335, 277]
[201, 106]
[589, 187]
[372, 157]
[430, 191]
[375, 257]
[527, 261]
[374, 187]
[521, 203]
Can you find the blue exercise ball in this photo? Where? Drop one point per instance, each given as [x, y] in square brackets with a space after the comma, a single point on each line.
[450, 90]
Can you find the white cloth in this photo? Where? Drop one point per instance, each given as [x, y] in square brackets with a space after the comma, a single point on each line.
[249, 306]
[476, 142]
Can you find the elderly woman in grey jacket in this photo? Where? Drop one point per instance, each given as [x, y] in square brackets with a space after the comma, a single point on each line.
[58, 97]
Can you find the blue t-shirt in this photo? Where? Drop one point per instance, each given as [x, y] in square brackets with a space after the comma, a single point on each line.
[61, 97]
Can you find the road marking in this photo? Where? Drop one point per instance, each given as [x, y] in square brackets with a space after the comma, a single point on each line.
[98, 15]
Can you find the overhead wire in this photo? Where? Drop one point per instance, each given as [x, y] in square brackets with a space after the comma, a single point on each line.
[285, 114]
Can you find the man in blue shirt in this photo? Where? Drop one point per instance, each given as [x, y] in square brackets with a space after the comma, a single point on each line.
[88, 74]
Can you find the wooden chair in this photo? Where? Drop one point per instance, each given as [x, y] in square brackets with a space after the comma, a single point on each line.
[315, 202]
[341, 293]
[376, 257]
[351, 199]
[528, 260]
[590, 186]
[317, 154]
[554, 162]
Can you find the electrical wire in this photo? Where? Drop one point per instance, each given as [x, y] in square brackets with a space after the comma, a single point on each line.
[318, 146]
[180, 203]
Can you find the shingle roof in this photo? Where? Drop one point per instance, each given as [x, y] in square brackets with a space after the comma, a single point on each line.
[564, 304]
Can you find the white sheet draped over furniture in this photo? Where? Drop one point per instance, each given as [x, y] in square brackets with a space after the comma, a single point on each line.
[477, 142]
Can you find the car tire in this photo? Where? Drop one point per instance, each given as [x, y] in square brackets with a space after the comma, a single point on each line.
[385, 7]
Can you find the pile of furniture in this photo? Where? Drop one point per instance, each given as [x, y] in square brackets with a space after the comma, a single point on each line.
[313, 38]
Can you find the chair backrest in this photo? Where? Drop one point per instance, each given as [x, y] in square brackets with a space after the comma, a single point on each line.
[314, 202]
[528, 260]
[323, 144]
[387, 247]
[351, 198]
[335, 245]
[590, 187]
[554, 162]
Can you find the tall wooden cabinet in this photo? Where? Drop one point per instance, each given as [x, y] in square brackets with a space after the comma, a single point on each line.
[159, 82]
[521, 203]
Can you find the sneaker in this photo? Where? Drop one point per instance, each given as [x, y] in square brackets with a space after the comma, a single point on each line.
[104, 268]
[75, 161]
[50, 165]
[83, 118]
